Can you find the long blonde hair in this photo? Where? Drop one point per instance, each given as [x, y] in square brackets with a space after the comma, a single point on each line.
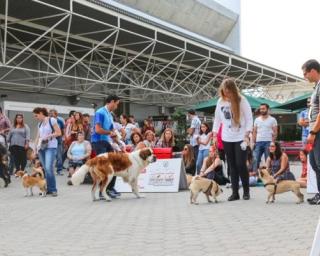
[169, 143]
[230, 85]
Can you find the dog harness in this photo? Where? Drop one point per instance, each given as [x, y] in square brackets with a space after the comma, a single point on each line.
[274, 184]
[209, 189]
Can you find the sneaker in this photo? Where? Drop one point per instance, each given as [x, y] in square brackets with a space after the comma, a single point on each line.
[53, 194]
[115, 192]
[233, 197]
[60, 174]
[111, 194]
[101, 197]
[313, 198]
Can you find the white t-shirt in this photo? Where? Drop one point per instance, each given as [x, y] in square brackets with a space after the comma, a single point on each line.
[45, 130]
[232, 132]
[203, 138]
[129, 127]
[264, 128]
[195, 124]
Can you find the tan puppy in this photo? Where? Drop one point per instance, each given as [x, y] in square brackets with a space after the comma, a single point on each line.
[189, 179]
[277, 188]
[208, 187]
[28, 182]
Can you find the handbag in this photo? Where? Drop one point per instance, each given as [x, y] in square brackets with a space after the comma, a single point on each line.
[44, 144]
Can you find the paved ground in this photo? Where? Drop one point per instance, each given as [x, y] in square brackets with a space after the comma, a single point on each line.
[160, 224]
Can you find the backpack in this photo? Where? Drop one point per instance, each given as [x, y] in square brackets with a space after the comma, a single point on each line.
[52, 129]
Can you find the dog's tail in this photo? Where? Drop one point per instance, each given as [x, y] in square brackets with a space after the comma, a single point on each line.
[78, 177]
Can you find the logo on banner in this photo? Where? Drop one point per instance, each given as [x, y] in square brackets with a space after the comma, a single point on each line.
[162, 179]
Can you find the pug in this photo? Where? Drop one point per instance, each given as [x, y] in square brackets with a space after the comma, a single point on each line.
[274, 187]
[208, 187]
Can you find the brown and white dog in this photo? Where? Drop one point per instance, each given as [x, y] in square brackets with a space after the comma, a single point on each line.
[274, 187]
[28, 182]
[103, 167]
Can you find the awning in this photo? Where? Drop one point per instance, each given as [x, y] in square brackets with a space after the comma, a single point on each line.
[296, 103]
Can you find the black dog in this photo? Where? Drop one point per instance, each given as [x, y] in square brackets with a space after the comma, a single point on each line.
[4, 174]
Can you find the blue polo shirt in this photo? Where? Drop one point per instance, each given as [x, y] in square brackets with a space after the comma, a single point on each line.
[304, 115]
[105, 119]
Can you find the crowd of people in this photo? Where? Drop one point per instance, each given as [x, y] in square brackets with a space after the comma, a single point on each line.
[236, 140]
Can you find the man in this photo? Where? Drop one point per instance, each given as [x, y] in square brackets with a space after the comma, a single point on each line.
[304, 123]
[5, 126]
[265, 129]
[60, 121]
[194, 131]
[101, 135]
[5, 123]
[311, 72]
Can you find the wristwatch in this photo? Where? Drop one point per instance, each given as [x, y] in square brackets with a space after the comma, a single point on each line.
[312, 133]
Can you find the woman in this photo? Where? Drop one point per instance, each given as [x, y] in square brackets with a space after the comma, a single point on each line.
[137, 141]
[166, 139]
[303, 155]
[18, 138]
[148, 125]
[48, 130]
[278, 162]
[79, 151]
[150, 139]
[128, 129]
[75, 125]
[234, 112]
[212, 168]
[203, 140]
[188, 159]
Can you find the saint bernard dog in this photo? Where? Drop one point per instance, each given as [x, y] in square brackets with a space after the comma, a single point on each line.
[104, 166]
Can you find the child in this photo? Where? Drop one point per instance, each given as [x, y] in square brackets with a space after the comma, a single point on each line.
[33, 166]
[117, 144]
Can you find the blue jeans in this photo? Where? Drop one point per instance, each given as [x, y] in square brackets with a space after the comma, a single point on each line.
[201, 155]
[304, 140]
[261, 148]
[59, 163]
[315, 160]
[47, 157]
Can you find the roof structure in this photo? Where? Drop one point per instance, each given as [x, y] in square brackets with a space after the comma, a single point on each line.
[297, 103]
[94, 48]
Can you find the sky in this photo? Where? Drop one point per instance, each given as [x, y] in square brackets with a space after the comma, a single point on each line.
[282, 34]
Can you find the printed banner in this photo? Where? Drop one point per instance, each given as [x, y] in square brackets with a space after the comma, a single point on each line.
[160, 176]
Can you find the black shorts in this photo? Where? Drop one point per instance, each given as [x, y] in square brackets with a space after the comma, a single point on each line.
[75, 164]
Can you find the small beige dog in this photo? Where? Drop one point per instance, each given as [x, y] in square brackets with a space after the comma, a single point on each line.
[273, 187]
[208, 187]
[189, 179]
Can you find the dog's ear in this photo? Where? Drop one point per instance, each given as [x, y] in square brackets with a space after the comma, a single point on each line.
[145, 153]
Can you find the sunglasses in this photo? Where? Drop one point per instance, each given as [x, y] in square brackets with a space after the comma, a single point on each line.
[272, 146]
[185, 149]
